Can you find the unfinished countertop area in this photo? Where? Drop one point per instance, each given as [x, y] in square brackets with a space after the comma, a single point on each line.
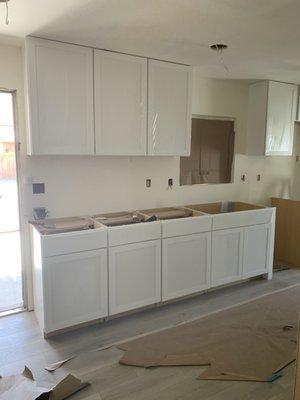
[79, 223]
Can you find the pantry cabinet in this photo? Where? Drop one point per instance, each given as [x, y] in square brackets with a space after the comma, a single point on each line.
[134, 276]
[169, 108]
[78, 281]
[120, 104]
[271, 115]
[227, 256]
[186, 264]
[59, 97]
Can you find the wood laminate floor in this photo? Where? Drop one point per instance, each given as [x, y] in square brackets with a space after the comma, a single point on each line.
[21, 343]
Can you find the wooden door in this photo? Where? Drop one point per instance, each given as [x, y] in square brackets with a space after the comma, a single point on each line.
[120, 103]
[60, 97]
[212, 151]
[169, 105]
[185, 265]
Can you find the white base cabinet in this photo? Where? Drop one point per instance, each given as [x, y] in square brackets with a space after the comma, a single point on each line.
[185, 265]
[75, 288]
[88, 275]
[227, 256]
[134, 276]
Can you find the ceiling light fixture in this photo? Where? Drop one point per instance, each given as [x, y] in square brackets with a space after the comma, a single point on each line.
[6, 4]
[219, 48]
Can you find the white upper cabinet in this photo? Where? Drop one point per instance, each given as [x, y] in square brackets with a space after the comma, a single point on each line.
[169, 108]
[60, 97]
[120, 104]
[271, 115]
[69, 86]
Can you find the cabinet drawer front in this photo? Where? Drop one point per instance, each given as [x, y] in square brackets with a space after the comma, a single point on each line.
[186, 226]
[119, 235]
[64, 243]
[75, 289]
[134, 276]
[243, 218]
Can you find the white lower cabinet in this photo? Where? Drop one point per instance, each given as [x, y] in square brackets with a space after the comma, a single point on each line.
[227, 256]
[75, 289]
[256, 250]
[134, 275]
[185, 265]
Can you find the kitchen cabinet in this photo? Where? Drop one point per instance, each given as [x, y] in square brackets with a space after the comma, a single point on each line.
[227, 256]
[169, 108]
[60, 98]
[256, 253]
[78, 281]
[134, 275]
[70, 277]
[272, 111]
[120, 103]
[186, 264]
[85, 101]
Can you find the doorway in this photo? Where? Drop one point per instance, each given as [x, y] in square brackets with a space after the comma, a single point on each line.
[11, 284]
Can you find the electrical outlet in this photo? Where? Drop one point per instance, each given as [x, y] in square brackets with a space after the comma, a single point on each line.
[170, 182]
[148, 183]
[38, 188]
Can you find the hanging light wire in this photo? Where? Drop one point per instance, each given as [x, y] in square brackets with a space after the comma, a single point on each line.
[219, 48]
[220, 54]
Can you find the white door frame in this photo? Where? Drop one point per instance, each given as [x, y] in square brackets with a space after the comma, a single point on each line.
[20, 200]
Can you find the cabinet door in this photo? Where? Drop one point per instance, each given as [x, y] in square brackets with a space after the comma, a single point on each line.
[227, 256]
[134, 276]
[75, 288]
[120, 104]
[185, 265]
[169, 103]
[60, 97]
[281, 114]
[256, 250]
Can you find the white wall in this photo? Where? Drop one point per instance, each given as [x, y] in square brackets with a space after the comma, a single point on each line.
[87, 185]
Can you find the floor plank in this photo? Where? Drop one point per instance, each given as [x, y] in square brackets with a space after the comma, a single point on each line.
[21, 343]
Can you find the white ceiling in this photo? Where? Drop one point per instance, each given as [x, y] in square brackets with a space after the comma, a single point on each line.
[263, 35]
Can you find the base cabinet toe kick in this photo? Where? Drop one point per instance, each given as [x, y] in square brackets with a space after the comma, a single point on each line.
[82, 277]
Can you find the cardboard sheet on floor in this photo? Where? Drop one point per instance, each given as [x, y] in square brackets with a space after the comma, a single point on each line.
[249, 342]
[24, 387]
[53, 367]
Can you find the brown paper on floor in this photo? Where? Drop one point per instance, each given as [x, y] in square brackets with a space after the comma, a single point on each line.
[24, 387]
[247, 342]
[20, 387]
[53, 367]
[68, 386]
